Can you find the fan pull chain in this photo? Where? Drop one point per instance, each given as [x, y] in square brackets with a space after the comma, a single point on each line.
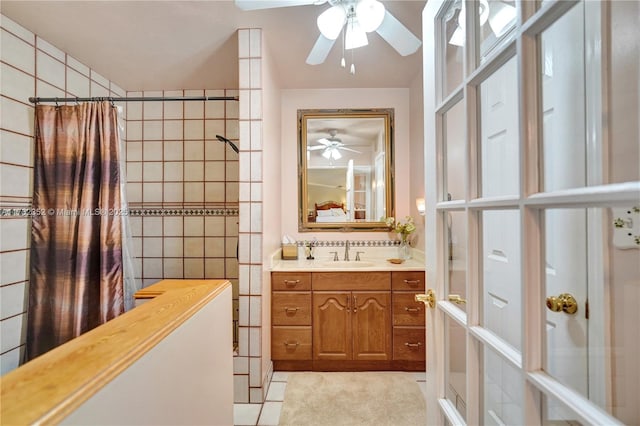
[343, 63]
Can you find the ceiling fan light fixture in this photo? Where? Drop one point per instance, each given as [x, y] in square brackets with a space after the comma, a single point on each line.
[355, 37]
[331, 21]
[370, 14]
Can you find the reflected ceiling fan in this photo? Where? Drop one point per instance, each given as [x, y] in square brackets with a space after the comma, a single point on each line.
[331, 146]
[358, 17]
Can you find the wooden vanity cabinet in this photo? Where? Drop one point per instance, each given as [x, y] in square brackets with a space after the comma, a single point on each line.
[347, 321]
[409, 338]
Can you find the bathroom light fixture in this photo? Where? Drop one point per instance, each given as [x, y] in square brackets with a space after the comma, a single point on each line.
[420, 205]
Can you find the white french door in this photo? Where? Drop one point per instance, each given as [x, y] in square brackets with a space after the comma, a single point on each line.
[532, 155]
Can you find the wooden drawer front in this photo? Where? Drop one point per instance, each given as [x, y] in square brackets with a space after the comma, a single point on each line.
[291, 342]
[406, 311]
[409, 344]
[409, 280]
[351, 281]
[291, 308]
[291, 281]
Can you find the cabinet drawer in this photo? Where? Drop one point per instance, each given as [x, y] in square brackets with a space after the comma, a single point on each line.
[409, 344]
[291, 308]
[408, 280]
[290, 343]
[365, 280]
[291, 281]
[406, 311]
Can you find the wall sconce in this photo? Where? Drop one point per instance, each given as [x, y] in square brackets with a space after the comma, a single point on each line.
[420, 205]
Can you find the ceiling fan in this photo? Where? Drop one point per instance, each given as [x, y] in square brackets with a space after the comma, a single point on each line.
[331, 146]
[359, 17]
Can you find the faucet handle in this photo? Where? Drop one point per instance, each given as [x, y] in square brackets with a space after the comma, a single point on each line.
[358, 255]
[335, 255]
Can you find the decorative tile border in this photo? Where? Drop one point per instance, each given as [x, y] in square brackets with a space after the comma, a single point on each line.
[30, 212]
[352, 243]
[184, 212]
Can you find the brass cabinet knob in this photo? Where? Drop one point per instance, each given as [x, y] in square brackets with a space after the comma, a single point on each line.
[428, 299]
[564, 302]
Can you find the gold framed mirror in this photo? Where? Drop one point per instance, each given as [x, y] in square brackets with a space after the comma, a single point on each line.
[345, 169]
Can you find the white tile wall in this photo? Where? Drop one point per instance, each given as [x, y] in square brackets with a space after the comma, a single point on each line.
[29, 66]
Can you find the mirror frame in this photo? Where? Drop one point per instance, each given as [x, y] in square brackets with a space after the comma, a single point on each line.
[306, 114]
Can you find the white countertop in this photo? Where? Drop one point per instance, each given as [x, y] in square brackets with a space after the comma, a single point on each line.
[373, 259]
[352, 266]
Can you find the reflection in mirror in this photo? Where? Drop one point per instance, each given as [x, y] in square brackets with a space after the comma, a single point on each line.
[345, 165]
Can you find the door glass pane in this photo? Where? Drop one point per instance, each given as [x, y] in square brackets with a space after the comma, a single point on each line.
[592, 255]
[454, 147]
[563, 100]
[456, 240]
[453, 37]
[624, 165]
[502, 390]
[457, 366]
[501, 274]
[499, 132]
[555, 414]
[496, 18]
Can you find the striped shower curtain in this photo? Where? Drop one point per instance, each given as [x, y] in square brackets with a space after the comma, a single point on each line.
[76, 280]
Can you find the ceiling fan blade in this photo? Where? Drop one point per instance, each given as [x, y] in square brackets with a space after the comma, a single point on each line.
[349, 149]
[324, 141]
[320, 50]
[270, 4]
[315, 147]
[397, 35]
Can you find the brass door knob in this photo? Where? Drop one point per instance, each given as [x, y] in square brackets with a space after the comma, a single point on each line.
[564, 302]
[428, 299]
[455, 298]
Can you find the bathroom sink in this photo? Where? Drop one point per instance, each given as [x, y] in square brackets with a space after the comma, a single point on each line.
[348, 264]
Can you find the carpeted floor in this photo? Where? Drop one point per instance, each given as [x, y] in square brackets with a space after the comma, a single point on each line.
[354, 399]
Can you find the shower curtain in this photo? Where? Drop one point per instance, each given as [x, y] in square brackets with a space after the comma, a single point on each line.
[76, 280]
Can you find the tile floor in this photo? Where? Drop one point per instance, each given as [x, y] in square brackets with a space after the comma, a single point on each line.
[268, 414]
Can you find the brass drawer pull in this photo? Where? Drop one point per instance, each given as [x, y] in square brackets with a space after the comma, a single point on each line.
[412, 282]
[406, 308]
[291, 282]
[294, 344]
[291, 310]
[413, 345]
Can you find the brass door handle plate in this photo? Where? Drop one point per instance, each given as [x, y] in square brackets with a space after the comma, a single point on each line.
[564, 302]
[428, 299]
[455, 298]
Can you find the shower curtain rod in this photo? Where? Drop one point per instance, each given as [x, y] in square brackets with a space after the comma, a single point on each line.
[136, 99]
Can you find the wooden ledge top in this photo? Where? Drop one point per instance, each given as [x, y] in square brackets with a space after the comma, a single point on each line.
[50, 387]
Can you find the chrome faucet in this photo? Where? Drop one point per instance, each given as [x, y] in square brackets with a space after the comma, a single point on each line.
[346, 251]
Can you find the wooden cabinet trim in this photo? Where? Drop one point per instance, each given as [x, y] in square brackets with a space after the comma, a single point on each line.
[351, 281]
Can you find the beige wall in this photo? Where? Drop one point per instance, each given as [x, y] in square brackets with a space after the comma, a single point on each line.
[416, 148]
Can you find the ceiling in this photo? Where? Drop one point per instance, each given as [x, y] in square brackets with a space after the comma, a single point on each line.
[152, 45]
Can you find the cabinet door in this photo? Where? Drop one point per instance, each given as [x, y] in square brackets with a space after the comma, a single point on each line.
[371, 325]
[332, 325]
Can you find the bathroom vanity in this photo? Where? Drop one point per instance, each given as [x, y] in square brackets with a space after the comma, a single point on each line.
[347, 319]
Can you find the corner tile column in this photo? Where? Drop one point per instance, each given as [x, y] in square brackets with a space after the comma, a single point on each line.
[247, 365]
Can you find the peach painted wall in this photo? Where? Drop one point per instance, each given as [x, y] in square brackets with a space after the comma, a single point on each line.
[292, 100]
[416, 148]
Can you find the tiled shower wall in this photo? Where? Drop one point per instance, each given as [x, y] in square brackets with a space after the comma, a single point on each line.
[29, 67]
[182, 187]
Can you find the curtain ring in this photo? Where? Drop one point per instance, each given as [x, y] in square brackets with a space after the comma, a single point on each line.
[56, 101]
[77, 103]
